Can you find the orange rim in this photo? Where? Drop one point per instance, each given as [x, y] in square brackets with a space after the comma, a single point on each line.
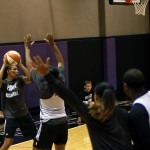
[128, 1]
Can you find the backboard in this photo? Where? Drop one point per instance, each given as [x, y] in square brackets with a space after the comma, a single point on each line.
[139, 5]
[123, 2]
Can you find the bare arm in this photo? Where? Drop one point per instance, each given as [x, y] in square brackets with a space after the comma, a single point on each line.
[27, 44]
[2, 71]
[50, 40]
[26, 78]
[67, 95]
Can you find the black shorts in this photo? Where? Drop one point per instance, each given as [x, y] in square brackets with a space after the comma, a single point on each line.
[25, 123]
[49, 134]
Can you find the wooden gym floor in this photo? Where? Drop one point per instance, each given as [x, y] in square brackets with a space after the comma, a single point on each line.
[78, 139]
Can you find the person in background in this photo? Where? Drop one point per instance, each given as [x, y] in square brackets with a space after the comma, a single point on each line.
[15, 111]
[107, 124]
[53, 119]
[86, 95]
[139, 116]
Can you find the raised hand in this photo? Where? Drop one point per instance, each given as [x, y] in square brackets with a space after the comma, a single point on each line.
[4, 60]
[28, 41]
[20, 62]
[39, 66]
[49, 39]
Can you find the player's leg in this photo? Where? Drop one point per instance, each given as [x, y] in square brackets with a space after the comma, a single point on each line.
[7, 143]
[1, 140]
[62, 137]
[60, 147]
[1, 131]
[45, 137]
[27, 126]
[10, 127]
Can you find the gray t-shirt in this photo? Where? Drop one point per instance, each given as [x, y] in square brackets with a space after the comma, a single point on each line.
[13, 98]
[52, 110]
[45, 90]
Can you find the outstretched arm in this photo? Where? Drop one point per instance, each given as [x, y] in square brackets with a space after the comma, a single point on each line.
[26, 78]
[27, 44]
[50, 40]
[2, 71]
[66, 94]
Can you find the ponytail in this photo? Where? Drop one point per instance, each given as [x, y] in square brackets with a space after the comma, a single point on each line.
[105, 109]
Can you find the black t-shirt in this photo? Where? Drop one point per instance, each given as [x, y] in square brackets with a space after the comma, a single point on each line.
[13, 98]
[85, 96]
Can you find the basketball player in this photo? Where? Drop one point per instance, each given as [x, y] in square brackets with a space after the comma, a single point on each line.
[133, 83]
[107, 124]
[54, 124]
[14, 108]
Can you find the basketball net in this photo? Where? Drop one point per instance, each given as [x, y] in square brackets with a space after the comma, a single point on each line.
[139, 7]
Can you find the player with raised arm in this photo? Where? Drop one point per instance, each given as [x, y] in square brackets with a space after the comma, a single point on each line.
[15, 111]
[53, 127]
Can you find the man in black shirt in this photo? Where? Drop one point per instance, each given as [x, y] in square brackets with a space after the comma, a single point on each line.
[133, 83]
[86, 95]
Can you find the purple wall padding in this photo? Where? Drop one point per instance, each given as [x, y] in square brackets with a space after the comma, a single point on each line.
[44, 51]
[110, 61]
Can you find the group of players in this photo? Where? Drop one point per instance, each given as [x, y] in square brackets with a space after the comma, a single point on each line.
[110, 127]
[53, 119]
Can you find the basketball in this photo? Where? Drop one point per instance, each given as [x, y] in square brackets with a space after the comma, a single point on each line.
[12, 57]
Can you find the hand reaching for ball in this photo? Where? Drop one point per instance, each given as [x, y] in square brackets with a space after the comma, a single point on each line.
[4, 60]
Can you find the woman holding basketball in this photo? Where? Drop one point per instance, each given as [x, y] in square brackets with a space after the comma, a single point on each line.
[15, 110]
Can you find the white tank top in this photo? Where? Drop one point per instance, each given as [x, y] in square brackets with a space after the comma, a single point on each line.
[145, 101]
[52, 108]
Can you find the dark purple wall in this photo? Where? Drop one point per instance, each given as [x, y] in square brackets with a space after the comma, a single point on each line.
[109, 51]
[106, 58]
[107, 62]
[44, 51]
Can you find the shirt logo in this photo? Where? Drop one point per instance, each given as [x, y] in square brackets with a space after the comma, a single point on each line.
[12, 91]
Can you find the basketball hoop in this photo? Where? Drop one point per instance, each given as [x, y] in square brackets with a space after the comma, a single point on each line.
[139, 5]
